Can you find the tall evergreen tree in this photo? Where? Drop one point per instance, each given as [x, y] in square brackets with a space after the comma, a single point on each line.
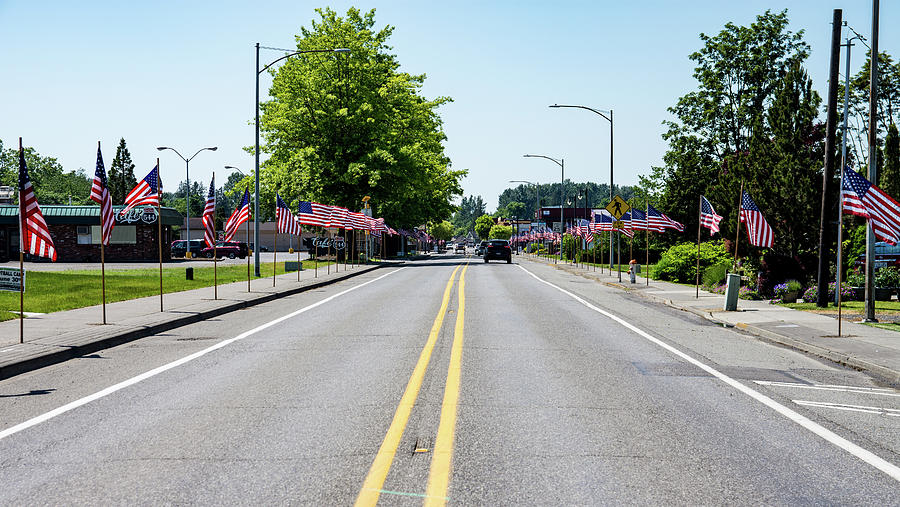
[121, 174]
[889, 175]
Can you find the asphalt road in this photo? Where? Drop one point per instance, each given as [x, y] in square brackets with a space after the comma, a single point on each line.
[374, 389]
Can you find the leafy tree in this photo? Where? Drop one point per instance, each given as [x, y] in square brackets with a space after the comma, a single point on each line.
[483, 226]
[889, 176]
[887, 109]
[340, 126]
[500, 231]
[177, 199]
[51, 184]
[442, 230]
[121, 174]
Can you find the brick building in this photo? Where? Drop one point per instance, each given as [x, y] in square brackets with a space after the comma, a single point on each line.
[76, 233]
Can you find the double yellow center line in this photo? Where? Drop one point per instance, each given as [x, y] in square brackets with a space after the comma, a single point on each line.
[439, 476]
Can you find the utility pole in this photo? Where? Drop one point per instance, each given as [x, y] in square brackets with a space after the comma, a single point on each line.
[873, 169]
[828, 176]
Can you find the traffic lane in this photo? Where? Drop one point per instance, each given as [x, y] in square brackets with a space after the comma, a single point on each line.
[281, 414]
[555, 411]
[33, 393]
[779, 372]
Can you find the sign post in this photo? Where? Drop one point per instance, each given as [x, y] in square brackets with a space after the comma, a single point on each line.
[617, 208]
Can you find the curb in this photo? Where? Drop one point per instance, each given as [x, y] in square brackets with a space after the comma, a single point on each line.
[883, 373]
[64, 354]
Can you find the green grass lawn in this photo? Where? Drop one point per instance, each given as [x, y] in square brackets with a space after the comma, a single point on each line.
[848, 306]
[54, 291]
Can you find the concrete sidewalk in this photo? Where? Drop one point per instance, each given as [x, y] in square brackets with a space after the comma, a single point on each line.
[870, 349]
[55, 337]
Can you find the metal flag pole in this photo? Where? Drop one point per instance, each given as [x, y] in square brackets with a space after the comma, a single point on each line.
[699, 215]
[737, 234]
[21, 253]
[215, 253]
[248, 252]
[102, 254]
[275, 253]
[647, 230]
[159, 230]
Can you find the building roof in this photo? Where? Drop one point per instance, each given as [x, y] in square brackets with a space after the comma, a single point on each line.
[79, 215]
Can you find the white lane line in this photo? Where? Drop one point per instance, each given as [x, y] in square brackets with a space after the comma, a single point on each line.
[865, 455]
[156, 371]
[853, 408]
[826, 387]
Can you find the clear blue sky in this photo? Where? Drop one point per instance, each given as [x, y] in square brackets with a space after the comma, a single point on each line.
[181, 73]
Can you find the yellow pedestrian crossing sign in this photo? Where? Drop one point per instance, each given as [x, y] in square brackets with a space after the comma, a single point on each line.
[618, 207]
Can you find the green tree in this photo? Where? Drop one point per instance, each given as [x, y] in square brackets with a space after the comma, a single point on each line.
[469, 209]
[340, 126]
[887, 110]
[483, 226]
[121, 174]
[51, 184]
[889, 176]
[500, 231]
[442, 230]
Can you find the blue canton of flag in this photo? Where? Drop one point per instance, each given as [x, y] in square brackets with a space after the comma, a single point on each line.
[860, 197]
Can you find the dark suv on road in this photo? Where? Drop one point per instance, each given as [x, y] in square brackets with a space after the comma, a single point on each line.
[497, 249]
[230, 249]
[179, 247]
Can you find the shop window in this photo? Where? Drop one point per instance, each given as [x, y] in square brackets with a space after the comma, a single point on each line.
[120, 235]
[84, 235]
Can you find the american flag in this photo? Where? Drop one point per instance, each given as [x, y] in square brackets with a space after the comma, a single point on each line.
[358, 220]
[100, 194]
[35, 236]
[659, 221]
[145, 192]
[240, 215]
[313, 213]
[757, 228]
[209, 214]
[287, 222]
[860, 197]
[708, 217]
[338, 218]
[638, 220]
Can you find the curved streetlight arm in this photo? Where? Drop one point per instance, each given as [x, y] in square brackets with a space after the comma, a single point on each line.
[161, 148]
[236, 169]
[605, 114]
[338, 50]
[211, 148]
[558, 162]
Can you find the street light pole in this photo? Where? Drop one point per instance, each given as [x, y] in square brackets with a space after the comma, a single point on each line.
[256, 151]
[187, 198]
[562, 184]
[608, 116]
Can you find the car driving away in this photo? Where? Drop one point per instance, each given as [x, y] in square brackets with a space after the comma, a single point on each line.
[497, 249]
[460, 247]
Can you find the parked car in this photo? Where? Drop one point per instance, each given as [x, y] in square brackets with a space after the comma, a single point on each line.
[179, 247]
[497, 249]
[230, 249]
[263, 248]
[460, 247]
[885, 255]
[479, 250]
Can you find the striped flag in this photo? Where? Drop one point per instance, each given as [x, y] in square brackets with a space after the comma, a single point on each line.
[659, 221]
[287, 222]
[860, 197]
[708, 216]
[145, 192]
[638, 220]
[238, 217]
[34, 237]
[313, 213]
[209, 214]
[100, 194]
[757, 228]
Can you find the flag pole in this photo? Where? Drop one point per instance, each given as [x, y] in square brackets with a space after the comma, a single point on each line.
[215, 243]
[159, 230]
[699, 221]
[737, 234]
[647, 264]
[299, 266]
[102, 269]
[315, 245]
[275, 253]
[328, 266]
[21, 254]
[248, 250]
[840, 248]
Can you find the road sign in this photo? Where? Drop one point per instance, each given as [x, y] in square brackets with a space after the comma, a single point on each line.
[618, 207]
[618, 224]
[9, 279]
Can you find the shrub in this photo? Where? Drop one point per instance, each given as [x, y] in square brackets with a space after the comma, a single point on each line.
[715, 275]
[887, 277]
[748, 293]
[856, 278]
[679, 262]
[812, 293]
